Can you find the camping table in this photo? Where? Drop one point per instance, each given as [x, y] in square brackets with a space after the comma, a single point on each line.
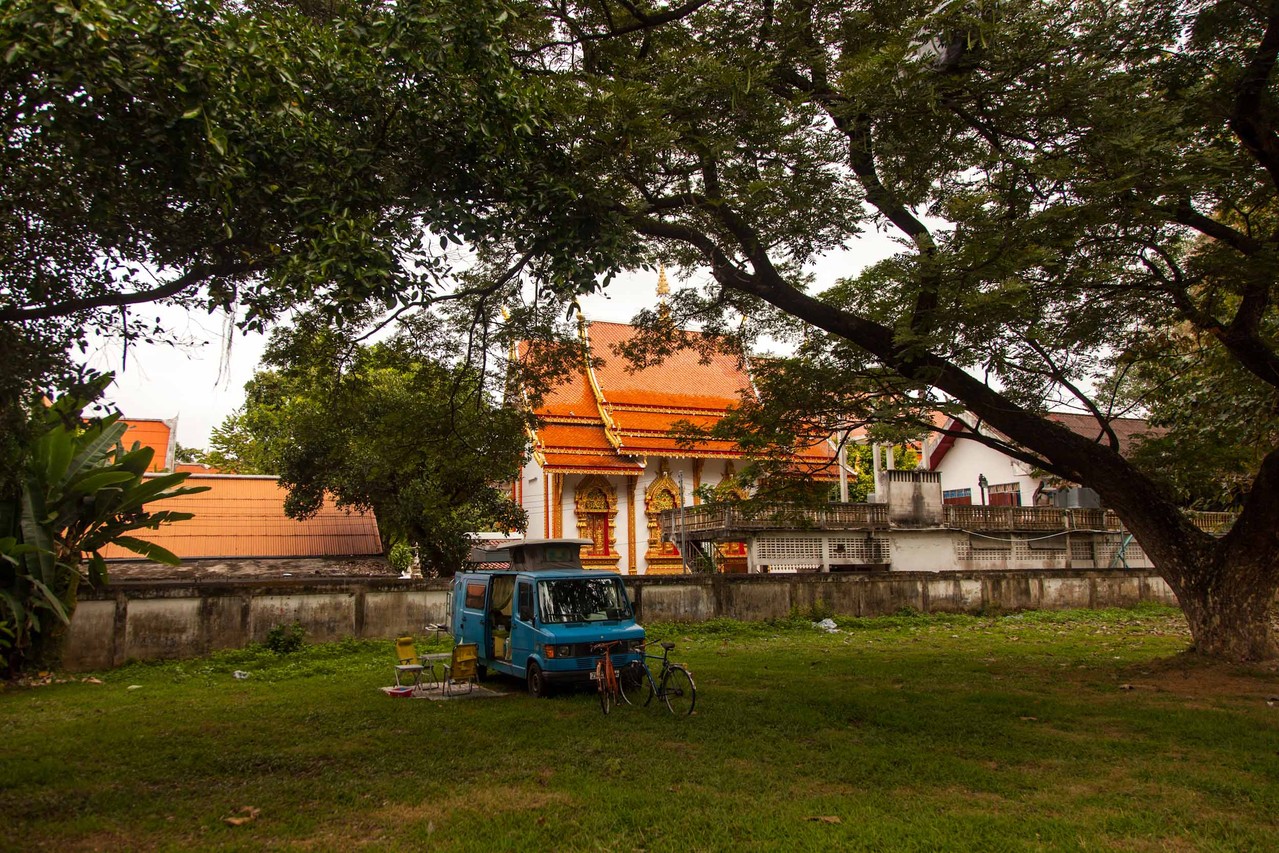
[432, 659]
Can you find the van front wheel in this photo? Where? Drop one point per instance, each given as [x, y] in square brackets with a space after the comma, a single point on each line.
[538, 687]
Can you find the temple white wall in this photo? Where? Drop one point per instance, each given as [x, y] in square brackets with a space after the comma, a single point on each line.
[536, 495]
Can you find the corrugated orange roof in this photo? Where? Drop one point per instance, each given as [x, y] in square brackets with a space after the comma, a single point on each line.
[196, 468]
[154, 434]
[570, 397]
[646, 420]
[243, 516]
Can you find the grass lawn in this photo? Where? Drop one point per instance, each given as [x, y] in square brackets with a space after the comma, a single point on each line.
[1076, 730]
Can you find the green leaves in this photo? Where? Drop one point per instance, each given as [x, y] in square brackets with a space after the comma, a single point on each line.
[148, 549]
[80, 491]
[401, 427]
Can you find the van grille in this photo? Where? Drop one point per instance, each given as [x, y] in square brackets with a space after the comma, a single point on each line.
[586, 650]
[589, 663]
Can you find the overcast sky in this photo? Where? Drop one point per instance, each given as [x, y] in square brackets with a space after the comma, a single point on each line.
[167, 382]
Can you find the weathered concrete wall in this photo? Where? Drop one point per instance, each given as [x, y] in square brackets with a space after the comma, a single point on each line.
[152, 620]
[924, 550]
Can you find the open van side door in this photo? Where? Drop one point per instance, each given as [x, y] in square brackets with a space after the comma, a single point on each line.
[523, 620]
[472, 611]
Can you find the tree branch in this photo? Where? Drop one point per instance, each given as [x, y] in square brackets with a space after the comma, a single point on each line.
[1056, 374]
[1248, 120]
[198, 274]
[642, 22]
[1186, 214]
[1241, 337]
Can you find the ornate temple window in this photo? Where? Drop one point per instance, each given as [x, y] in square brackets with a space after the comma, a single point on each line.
[662, 493]
[595, 505]
[730, 487]
[732, 555]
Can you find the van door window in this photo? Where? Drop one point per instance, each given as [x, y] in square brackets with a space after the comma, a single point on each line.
[475, 596]
[525, 602]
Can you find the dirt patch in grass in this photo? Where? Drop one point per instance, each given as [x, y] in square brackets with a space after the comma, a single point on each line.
[1192, 677]
[430, 816]
[103, 841]
[501, 799]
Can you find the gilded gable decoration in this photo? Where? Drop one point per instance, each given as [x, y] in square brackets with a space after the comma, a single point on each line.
[732, 555]
[729, 487]
[595, 506]
[662, 493]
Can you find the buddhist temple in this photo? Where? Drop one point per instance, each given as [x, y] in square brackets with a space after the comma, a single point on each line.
[605, 463]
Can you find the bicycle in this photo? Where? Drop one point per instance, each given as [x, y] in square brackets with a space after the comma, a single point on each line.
[605, 676]
[673, 685]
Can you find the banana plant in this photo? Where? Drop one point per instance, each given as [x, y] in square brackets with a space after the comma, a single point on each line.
[81, 490]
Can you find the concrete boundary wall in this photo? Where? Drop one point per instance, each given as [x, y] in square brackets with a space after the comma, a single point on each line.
[179, 619]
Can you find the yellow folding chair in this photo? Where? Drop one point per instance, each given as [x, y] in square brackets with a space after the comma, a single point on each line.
[407, 662]
[463, 668]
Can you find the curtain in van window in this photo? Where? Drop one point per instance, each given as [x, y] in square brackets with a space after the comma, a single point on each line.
[503, 590]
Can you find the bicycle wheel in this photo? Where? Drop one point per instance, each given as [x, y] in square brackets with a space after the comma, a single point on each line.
[678, 691]
[636, 684]
[601, 681]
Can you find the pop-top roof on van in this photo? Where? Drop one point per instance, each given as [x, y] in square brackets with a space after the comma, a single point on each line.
[531, 555]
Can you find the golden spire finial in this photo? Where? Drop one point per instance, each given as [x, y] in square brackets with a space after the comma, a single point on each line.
[663, 291]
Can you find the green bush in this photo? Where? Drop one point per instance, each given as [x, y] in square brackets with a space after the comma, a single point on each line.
[286, 639]
[400, 557]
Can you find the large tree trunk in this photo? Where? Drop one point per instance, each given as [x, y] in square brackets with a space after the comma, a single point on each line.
[1228, 599]
[1226, 585]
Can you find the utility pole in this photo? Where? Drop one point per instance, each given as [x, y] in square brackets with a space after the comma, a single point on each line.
[843, 467]
[683, 537]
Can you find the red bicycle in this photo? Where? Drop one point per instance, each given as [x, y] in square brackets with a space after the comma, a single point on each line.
[605, 676]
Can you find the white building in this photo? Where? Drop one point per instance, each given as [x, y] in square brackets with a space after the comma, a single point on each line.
[975, 473]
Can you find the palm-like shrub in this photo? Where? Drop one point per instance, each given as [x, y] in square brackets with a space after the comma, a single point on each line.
[80, 490]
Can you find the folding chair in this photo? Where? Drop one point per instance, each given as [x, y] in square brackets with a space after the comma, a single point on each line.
[408, 662]
[464, 668]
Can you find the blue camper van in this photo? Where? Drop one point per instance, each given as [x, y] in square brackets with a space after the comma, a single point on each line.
[535, 613]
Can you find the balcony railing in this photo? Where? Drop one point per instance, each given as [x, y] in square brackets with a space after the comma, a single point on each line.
[1022, 518]
[749, 517]
[720, 520]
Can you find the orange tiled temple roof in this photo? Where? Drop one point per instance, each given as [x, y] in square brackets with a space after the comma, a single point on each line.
[608, 419]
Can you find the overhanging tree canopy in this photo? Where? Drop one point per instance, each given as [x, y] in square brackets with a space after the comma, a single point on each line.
[251, 158]
[1109, 171]
[1106, 172]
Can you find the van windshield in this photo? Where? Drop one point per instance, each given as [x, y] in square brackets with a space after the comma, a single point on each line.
[582, 600]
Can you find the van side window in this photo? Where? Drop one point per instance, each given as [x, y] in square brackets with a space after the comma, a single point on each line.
[525, 610]
[475, 596]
